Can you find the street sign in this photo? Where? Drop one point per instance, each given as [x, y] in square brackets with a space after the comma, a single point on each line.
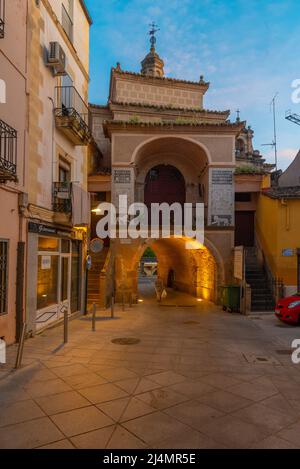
[96, 245]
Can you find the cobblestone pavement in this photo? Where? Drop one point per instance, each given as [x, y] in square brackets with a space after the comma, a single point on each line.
[198, 378]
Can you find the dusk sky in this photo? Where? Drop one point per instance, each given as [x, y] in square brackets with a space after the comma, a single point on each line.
[247, 49]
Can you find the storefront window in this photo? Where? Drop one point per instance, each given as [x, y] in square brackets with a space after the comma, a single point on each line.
[59, 273]
[65, 246]
[48, 244]
[47, 280]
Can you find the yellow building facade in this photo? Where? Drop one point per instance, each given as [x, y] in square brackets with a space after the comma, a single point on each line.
[277, 228]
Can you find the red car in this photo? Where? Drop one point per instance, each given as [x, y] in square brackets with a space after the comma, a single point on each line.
[288, 309]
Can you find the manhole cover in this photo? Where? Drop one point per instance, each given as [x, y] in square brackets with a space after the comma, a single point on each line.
[126, 341]
[284, 352]
[190, 322]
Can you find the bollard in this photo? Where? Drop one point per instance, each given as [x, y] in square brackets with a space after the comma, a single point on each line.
[123, 302]
[66, 325]
[21, 347]
[130, 300]
[94, 317]
[112, 307]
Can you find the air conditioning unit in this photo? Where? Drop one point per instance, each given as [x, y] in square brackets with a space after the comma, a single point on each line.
[57, 59]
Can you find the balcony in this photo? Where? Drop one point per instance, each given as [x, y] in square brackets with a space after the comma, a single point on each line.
[2, 18]
[62, 197]
[67, 23]
[72, 115]
[8, 153]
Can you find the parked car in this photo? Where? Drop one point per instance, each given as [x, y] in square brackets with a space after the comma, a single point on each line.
[288, 309]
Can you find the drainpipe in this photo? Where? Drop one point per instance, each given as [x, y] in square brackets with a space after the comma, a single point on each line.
[287, 214]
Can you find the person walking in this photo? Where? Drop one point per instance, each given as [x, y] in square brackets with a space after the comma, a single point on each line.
[159, 288]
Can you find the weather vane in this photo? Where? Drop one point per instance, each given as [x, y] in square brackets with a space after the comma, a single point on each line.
[154, 29]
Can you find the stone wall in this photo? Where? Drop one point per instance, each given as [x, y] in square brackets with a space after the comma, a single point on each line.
[159, 93]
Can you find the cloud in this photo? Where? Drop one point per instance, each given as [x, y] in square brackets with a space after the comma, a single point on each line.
[288, 153]
[154, 11]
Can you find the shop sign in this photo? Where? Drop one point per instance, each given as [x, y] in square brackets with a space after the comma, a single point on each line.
[47, 230]
[42, 229]
[46, 263]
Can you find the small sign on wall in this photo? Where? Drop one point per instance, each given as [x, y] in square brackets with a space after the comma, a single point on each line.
[123, 184]
[288, 252]
[221, 197]
[46, 263]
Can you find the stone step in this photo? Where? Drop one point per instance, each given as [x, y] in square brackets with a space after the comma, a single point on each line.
[262, 307]
[92, 299]
[259, 296]
[268, 300]
[255, 272]
[258, 284]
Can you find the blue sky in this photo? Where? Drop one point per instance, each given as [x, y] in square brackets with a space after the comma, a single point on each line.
[248, 49]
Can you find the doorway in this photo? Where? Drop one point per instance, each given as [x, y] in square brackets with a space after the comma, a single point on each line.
[164, 183]
[244, 228]
[171, 279]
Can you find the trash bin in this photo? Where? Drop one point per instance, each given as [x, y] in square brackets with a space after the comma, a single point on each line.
[230, 297]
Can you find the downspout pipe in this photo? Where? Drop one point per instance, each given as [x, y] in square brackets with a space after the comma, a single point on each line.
[287, 214]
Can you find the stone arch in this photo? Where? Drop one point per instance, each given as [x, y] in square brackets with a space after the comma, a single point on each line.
[202, 269]
[198, 144]
[191, 158]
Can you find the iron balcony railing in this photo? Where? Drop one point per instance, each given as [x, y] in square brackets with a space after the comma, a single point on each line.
[62, 197]
[2, 18]
[8, 152]
[67, 23]
[71, 110]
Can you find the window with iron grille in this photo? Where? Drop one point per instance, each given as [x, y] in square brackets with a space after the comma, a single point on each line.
[8, 152]
[2, 18]
[3, 276]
